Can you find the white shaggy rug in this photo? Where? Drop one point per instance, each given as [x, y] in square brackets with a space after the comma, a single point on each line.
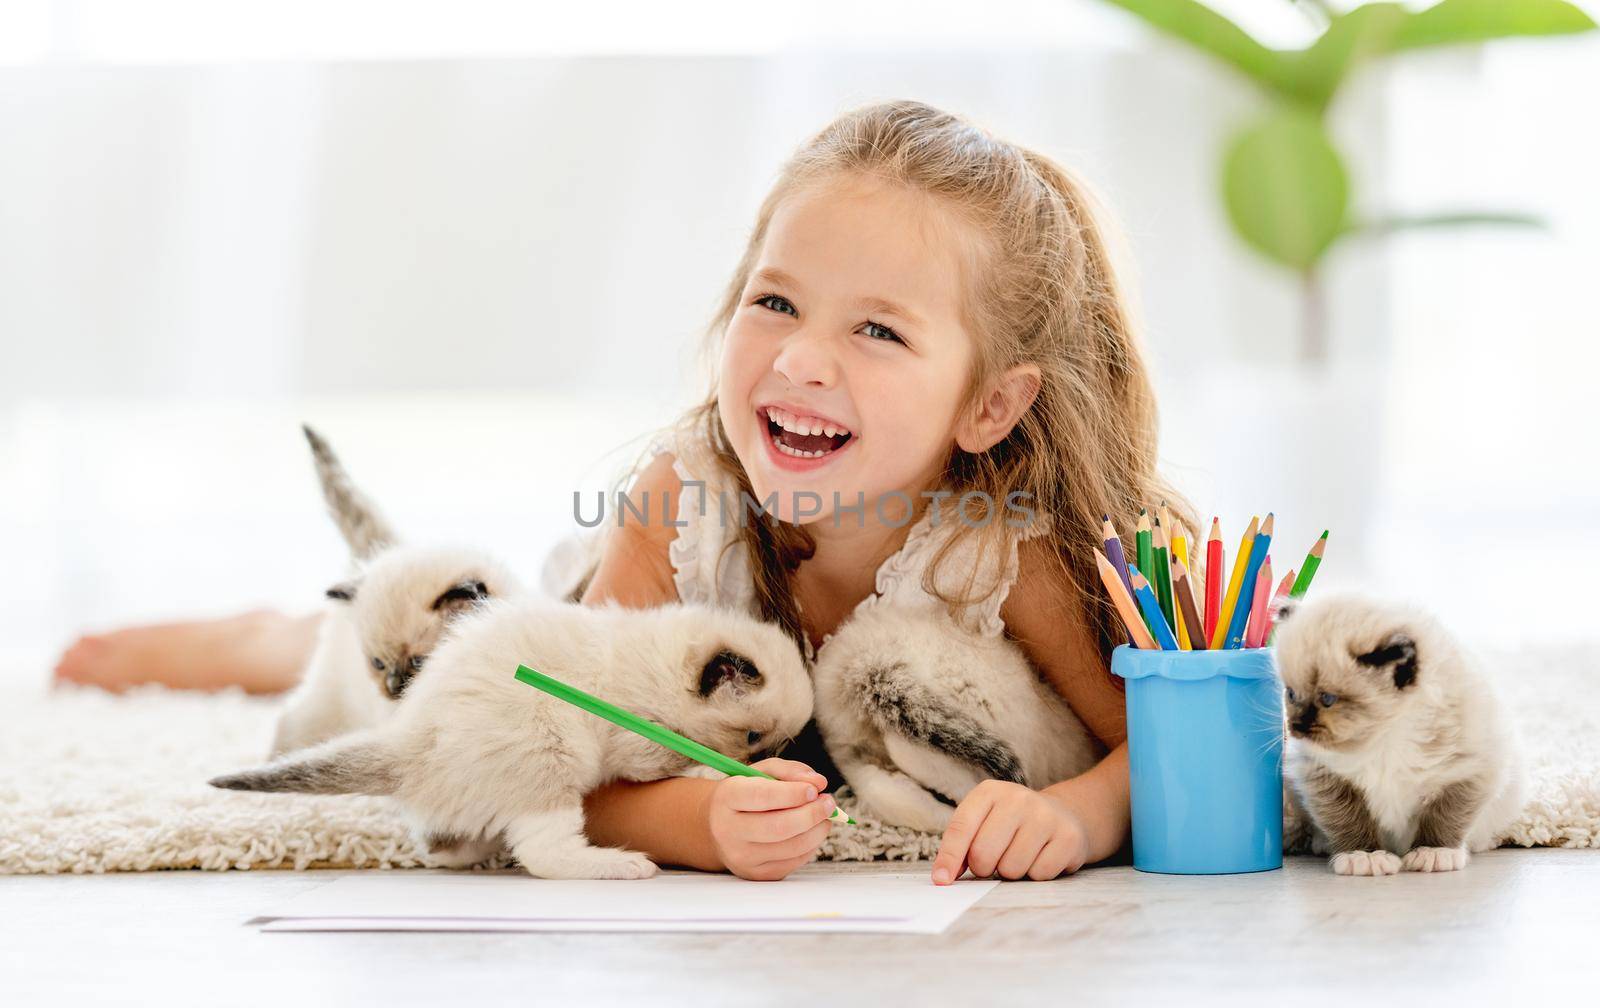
[93, 782]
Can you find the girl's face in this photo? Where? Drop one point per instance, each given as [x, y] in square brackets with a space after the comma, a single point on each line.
[846, 362]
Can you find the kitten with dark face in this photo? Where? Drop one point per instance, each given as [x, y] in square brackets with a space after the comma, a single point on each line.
[481, 761]
[388, 618]
[1396, 740]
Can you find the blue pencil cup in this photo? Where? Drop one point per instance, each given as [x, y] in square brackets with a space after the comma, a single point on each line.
[1205, 754]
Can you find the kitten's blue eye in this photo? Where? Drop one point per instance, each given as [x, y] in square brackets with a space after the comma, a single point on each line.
[1327, 699]
[775, 303]
[377, 663]
[752, 738]
[881, 332]
[416, 662]
[1291, 695]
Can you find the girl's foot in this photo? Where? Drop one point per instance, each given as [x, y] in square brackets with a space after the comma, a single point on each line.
[262, 651]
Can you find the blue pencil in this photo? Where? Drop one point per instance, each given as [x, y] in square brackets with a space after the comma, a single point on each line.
[1241, 609]
[1152, 610]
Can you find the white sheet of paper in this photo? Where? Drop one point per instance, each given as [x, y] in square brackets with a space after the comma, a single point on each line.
[687, 901]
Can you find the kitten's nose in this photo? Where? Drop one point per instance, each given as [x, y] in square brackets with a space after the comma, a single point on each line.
[396, 681]
[1308, 717]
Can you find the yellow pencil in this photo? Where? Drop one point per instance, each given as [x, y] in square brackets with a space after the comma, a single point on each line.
[1241, 560]
[1180, 551]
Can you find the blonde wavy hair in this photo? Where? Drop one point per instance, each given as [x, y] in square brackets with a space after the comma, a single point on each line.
[1043, 293]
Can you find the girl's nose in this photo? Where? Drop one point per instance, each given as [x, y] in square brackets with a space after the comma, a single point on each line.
[807, 358]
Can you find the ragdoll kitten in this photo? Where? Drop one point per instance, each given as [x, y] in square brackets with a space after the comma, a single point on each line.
[480, 760]
[393, 613]
[1396, 741]
[916, 712]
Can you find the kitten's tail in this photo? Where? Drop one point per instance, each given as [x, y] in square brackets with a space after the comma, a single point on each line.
[361, 764]
[899, 705]
[363, 528]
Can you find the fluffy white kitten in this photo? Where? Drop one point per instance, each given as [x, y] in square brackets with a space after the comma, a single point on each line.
[390, 617]
[480, 760]
[1397, 744]
[913, 709]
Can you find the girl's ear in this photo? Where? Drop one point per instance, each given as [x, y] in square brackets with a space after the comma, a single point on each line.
[1002, 406]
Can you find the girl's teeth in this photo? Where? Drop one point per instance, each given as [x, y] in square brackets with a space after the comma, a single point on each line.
[795, 425]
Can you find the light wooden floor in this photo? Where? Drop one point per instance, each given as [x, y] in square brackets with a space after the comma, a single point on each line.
[1515, 928]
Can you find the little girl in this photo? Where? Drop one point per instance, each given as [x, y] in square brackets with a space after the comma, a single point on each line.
[929, 395]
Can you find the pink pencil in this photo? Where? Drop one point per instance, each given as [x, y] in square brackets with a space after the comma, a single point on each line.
[1278, 598]
[1255, 631]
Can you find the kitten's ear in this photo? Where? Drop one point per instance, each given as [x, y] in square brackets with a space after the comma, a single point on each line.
[728, 669]
[344, 591]
[459, 598]
[1398, 650]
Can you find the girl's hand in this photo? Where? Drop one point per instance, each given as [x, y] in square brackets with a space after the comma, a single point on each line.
[1013, 831]
[765, 829]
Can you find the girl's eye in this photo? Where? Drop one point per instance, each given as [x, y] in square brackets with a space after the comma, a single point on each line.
[881, 332]
[775, 303]
[752, 738]
[377, 663]
[1327, 699]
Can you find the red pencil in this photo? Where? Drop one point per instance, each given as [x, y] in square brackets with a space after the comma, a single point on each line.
[1214, 577]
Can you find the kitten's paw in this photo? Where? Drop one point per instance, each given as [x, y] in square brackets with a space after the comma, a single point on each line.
[594, 863]
[1435, 859]
[1378, 862]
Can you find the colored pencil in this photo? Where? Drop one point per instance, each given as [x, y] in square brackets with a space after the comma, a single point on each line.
[648, 729]
[1313, 561]
[1230, 598]
[1213, 581]
[1241, 610]
[1255, 632]
[1182, 588]
[1180, 554]
[1278, 598]
[1114, 553]
[1122, 599]
[1144, 555]
[1163, 572]
[1152, 611]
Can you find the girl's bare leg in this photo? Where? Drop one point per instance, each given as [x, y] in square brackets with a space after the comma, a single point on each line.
[264, 651]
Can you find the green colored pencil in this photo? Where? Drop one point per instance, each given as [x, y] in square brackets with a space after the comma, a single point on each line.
[649, 729]
[1313, 561]
[1144, 553]
[1163, 582]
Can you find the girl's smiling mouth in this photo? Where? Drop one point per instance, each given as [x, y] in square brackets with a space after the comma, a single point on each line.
[799, 438]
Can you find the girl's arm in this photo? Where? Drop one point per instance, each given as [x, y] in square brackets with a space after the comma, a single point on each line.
[1006, 829]
[758, 829]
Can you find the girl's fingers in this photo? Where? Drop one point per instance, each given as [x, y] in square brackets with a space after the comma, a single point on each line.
[999, 828]
[753, 794]
[778, 826]
[958, 836]
[772, 871]
[792, 770]
[793, 847]
[1025, 848]
[1052, 861]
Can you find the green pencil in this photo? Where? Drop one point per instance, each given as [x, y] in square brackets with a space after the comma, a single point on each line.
[1313, 561]
[1163, 579]
[1144, 553]
[648, 729]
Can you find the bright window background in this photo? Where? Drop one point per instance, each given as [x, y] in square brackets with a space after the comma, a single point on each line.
[476, 243]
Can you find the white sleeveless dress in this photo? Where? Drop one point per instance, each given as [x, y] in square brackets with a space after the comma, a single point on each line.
[710, 566]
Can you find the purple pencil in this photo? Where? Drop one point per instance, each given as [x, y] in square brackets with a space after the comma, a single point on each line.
[1115, 555]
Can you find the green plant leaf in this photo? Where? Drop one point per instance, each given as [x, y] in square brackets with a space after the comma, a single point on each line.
[1378, 29]
[1455, 21]
[1379, 227]
[1285, 188]
[1205, 29]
